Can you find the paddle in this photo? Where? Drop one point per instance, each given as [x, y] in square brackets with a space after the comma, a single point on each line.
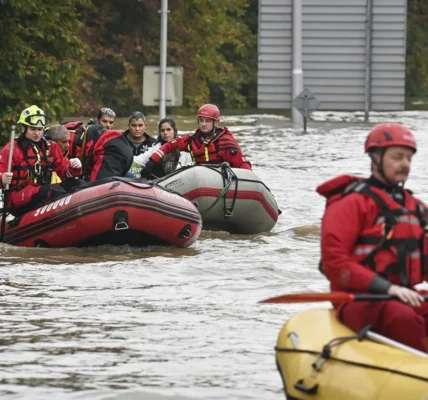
[347, 297]
[335, 297]
[6, 189]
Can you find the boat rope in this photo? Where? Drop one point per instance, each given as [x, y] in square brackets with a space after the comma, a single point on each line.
[223, 193]
[211, 167]
[225, 189]
[325, 355]
[228, 174]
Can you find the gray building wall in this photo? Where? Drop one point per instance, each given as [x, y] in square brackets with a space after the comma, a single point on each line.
[334, 53]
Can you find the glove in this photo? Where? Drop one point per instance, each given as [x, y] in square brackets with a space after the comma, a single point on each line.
[75, 163]
[147, 170]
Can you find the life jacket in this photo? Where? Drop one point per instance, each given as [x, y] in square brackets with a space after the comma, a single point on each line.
[82, 142]
[36, 165]
[77, 138]
[205, 152]
[393, 246]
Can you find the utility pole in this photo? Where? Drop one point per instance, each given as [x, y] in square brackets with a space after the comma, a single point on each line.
[163, 42]
[297, 75]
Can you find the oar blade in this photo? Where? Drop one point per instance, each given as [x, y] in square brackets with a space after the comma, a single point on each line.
[310, 298]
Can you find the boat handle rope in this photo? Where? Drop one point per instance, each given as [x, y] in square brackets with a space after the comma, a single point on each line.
[230, 176]
[357, 364]
[222, 194]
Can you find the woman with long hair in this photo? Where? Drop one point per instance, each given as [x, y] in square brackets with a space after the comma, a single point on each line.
[167, 131]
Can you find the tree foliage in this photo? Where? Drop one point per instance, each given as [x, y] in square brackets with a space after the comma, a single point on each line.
[78, 55]
[417, 49]
[210, 39]
[40, 58]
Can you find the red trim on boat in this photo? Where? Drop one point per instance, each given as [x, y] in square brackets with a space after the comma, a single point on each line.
[241, 194]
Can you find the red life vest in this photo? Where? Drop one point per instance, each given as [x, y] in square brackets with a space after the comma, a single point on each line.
[207, 152]
[34, 165]
[392, 247]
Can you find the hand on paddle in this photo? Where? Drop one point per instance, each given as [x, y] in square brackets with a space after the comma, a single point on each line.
[6, 178]
[406, 295]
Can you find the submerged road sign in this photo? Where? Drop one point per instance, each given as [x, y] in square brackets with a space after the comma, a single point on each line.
[306, 103]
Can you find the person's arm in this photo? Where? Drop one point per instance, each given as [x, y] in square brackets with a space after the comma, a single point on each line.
[5, 178]
[64, 167]
[157, 155]
[168, 148]
[143, 158]
[229, 149]
[342, 223]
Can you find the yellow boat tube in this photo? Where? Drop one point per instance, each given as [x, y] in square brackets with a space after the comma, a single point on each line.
[320, 358]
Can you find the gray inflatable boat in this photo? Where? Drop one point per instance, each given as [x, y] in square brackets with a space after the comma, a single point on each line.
[229, 199]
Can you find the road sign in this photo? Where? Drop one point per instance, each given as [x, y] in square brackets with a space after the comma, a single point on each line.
[174, 86]
[306, 103]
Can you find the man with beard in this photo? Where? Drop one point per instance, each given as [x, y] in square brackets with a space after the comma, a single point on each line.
[372, 240]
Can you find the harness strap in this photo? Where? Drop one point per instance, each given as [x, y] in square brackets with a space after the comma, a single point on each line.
[404, 246]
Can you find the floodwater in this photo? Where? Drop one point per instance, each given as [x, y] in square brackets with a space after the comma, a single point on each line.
[116, 323]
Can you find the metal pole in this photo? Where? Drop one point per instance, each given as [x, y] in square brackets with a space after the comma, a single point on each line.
[162, 72]
[297, 75]
[6, 189]
[368, 61]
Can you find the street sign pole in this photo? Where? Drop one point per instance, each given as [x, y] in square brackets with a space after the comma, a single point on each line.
[163, 63]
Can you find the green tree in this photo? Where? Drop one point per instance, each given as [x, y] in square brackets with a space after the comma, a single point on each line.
[212, 40]
[122, 36]
[417, 49]
[214, 44]
[40, 58]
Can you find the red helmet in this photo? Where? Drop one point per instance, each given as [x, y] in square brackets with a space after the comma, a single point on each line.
[209, 111]
[390, 134]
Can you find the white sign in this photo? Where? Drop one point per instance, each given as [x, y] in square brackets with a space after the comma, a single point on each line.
[174, 86]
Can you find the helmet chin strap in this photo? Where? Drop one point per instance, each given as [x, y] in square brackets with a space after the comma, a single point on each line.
[380, 169]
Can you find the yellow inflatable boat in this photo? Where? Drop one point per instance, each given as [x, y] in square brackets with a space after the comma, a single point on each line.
[320, 358]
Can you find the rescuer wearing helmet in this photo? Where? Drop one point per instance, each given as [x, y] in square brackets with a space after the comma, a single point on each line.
[210, 144]
[372, 240]
[34, 160]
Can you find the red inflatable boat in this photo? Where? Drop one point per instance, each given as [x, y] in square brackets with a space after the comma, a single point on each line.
[119, 211]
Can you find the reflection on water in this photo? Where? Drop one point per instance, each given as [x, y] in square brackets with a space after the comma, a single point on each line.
[114, 322]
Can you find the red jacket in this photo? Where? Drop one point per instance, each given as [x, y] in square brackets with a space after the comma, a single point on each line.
[353, 226]
[223, 147]
[106, 152]
[32, 165]
[26, 155]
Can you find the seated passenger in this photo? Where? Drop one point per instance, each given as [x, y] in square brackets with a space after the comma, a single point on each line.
[210, 144]
[138, 139]
[167, 131]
